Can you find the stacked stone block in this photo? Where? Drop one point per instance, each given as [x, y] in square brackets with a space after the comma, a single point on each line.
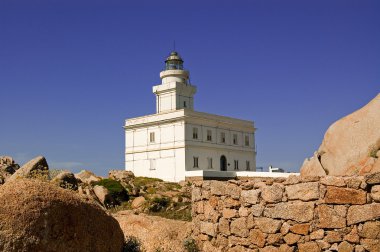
[294, 214]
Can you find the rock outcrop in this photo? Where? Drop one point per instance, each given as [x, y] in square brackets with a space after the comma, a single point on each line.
[66, 180]
[87, 177]
[104, 196]
[138, 202]
[155, 233]
[35, 167]
[121, 175]
[7, 168]
[350, 145]
[6, 160]
[124, 177]
[39, 216]
[8, 164]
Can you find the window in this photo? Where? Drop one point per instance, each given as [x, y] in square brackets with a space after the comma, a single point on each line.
[195, 133]
[184, 104]
[209, 163]
[248, 166]
[222, 137]
[151, 137]
[246, 140]
[209, 134]
[236, 164]
[152, 164]
[195, 162]
[235, 140]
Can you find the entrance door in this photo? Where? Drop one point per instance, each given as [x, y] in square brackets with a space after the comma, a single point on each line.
[223, 163]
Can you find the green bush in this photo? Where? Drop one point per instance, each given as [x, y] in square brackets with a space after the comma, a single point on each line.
[184, 215]
[172, 186]
[42, 175]
[117, 191]
[373, 152]
[190, 245]
[151, 190]
[159, 204]
[143, 181]
[132, 244]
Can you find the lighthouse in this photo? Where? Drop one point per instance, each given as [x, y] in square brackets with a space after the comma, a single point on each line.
[175, 91]
[178, 142]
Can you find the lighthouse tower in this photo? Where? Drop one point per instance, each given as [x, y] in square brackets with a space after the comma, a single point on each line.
[175, 91]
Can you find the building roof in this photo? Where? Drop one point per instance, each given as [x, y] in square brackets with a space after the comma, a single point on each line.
[174, 56]
[191, 117]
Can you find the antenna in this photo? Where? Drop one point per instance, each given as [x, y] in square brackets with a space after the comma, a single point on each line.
[174, 45]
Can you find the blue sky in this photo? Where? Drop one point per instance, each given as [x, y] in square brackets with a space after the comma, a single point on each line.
[72, 71]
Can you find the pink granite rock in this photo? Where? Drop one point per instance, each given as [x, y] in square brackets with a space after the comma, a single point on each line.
[350, 145]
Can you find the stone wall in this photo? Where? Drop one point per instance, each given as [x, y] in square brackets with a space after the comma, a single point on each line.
[292, 214]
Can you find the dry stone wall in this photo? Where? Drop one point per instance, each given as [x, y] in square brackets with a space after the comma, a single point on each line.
[295, 214]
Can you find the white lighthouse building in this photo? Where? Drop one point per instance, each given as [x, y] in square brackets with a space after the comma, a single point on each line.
[177, 141]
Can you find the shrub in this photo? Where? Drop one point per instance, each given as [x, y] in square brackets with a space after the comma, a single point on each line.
[172, 186]
[190, 245]
[126, 205]
[132, 244]
[151, 190]
[161, 201]
[184, 215]
[117, 191]
[42, 175]
[143, 181]
[373, 151]
[159, 204]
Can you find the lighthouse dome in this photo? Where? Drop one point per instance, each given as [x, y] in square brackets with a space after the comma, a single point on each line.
[174, 61]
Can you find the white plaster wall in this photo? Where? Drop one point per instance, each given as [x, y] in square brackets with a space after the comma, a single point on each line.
[171, 96]
[169, 164]
[174, 147]
[166, 102]
[181, 99]
[203, 153]
[167, 151]
[176, 75]
[216, 136]
[172, 79]
[167, 135]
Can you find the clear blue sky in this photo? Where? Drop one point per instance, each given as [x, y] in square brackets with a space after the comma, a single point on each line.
[72, 71]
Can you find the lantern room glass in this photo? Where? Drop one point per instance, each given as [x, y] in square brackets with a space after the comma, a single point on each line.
[174, 65]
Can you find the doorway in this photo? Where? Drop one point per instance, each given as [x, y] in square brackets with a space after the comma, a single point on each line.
[223, 163]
